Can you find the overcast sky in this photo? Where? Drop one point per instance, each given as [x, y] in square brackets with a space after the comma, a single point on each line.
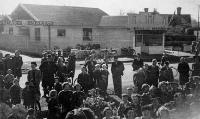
[113, 7]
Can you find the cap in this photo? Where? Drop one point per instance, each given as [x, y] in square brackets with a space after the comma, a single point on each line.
[129, 88]
[34, 63]
[115, 57]
[124, 95]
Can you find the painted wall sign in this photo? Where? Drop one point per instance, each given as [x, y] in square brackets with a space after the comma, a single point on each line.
[33, 23]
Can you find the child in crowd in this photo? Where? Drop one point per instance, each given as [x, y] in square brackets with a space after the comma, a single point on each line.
[57, 85]
[65, 99]
[163, 113]
[108, 113]
[15, 92]
[129, 92]
[8, 80]
[78, 96]
[129, 113]
[28, 95]
[104, 75]
[145, 97]
[1, 87]
[136, 104]
[31, 114]
[53, 107]
[123, 105]
[99, 83]
[146, 112]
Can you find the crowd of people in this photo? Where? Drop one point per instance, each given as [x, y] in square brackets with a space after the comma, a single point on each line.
[154, 93]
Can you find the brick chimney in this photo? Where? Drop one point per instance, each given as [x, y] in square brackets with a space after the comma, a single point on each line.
[146, 9]
[178, 10]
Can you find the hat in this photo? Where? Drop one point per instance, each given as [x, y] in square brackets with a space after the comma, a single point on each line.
[154, 60]
[124, 95]
[129, 88]
[34, 63]
[115, 57]
[49, 55]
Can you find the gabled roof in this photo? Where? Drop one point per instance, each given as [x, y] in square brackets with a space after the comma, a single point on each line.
[114, 21]
[65, 15]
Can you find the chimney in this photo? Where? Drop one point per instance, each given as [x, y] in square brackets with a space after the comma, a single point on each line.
[146, 9]
[178, 10]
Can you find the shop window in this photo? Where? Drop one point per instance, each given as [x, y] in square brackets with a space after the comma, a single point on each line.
[61, 32]
[11, 30]
[87, 34]
[37, 33]
[152, 40]
[138, 40]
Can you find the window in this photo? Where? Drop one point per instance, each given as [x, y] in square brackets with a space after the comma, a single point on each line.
[87, 34]
[61, 32]
[11, 30]
[37, 33]
[138, 40]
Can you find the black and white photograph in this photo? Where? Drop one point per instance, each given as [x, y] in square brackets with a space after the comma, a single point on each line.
[99, 59]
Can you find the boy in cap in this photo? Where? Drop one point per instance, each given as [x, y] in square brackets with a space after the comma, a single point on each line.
[123, 105]
[17, 64]
[48, 69]
[15, 92]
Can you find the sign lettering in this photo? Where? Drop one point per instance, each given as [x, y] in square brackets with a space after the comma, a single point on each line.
[34, 23]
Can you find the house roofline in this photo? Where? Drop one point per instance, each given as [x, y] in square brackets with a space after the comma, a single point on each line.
[29, 12]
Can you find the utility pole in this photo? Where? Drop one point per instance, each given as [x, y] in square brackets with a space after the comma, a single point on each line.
[49, 35]
[198, 26]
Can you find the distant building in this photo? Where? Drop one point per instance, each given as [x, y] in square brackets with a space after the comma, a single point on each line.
[33, 28]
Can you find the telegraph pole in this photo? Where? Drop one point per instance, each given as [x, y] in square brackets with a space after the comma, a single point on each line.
[198, 26]
[49, 35]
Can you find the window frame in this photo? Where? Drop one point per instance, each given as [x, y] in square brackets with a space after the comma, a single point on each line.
[62, 34]
[37, 34]
[10, 32]
[87, 34]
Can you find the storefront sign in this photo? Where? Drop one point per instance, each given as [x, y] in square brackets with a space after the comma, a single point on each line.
[33, 23]
[149, 28]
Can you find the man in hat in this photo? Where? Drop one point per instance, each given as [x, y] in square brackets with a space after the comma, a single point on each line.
[153, 74]
[48, 69]
[17, 64]
[8, 63]
[34, 77]
[117, 69]
[90, 65]
[137, 62]
[72, 64]
[183, 69]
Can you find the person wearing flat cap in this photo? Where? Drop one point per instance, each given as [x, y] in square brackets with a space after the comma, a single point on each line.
[153, 74]
[17, 64]
[117, 69]
[35, 77]
[123, 105]
[48, 69]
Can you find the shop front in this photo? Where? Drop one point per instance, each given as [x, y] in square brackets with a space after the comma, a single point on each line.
[149, 41]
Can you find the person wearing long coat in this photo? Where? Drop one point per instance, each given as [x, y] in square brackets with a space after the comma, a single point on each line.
[166, 73]
[8, 63]
[90, 65]
[139, 78]
[72, 64]
[153, 74]
[48, 69]
[85, 80]
[183, 69]
[17, 64]
[62, 70]
[117, 69]
[104, 76]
